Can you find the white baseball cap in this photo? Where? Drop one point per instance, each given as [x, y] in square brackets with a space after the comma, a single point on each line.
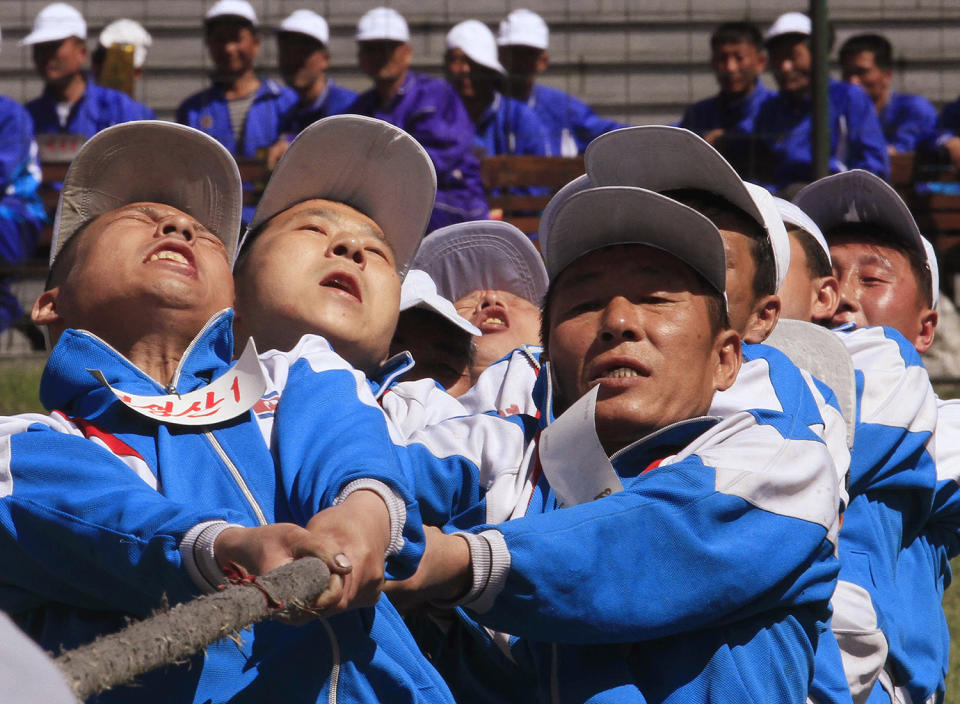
[153, 161]
[126, 31]
[55, 22]
[858, 196]
[525, 28]
[382, 23]
[232, 8]
[366, 163]
[307, 22]
[419, 291]
[483, 255]
[614, 215]
[789, 23]
[661, 158]
[793, 215]
[475, 39]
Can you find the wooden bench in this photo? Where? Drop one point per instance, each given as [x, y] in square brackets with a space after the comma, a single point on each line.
[503, 175]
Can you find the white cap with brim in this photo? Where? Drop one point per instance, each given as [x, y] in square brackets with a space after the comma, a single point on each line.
[151, 161]
[130, 32]
[792, 215]
[419, 291]
[307, 22]
[620, 215]
[382, 24]
[475, 39]
[483, 255]
[580, 183]
[523, 27]
[789, 23]
[226, 9]
[660, 158]
[859, 196]
[55, 22]
[934, 271]
[368, 164]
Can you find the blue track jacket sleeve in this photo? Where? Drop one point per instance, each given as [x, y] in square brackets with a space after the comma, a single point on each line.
[674, 551]
[330, 431]
[79, 526]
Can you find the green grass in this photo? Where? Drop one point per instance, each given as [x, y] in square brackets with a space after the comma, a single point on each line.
[20, 384]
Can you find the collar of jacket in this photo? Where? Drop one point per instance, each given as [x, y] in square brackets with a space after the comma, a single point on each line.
[390, 373]
[67, 384]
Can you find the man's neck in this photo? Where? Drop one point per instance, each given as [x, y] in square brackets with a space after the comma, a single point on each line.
[881, 102]
[520, 89]
[239, 87]
[731, 96]
[314, 91]
[387, 90]
[477, 105]
[70, 90]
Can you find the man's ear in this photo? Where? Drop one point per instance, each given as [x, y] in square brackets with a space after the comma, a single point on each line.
[928, 329]
[45, 309]
[827, 298]
[543, 61]
[729, 359]
[763, 320]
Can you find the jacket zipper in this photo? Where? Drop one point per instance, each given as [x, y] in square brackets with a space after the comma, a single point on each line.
[261, 518]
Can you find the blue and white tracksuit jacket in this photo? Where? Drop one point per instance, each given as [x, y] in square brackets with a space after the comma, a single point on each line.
[506, 386]
[99, 108]
[334, 100]
[101, 510]
[208, 112]
[571, 124]
[21, 211]
[909, 122]
[892, 477]
[508, 126]
[856, 138]
[679, 612]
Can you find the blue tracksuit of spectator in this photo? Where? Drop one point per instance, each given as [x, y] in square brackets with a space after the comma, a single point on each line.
[909, 122]
[21, 212]
[334, 100]
[97, 109]
[571, 124]
[431, 112]
[508, 126]
[208, 112]
[856, 139]
[723, 113]
[949, 123]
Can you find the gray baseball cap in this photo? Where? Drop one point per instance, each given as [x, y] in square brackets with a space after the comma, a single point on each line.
[611, 215]
[483, 255]
[366, 163]
[858, 196]
[661, 158]
[154, 161]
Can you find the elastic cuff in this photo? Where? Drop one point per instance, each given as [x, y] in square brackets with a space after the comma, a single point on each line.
[490, 560]
[196, 552]
[396, 507]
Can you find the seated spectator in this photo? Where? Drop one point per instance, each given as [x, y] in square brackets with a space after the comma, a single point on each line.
[426, 108]
[239, 110]
[21, 211]
[429, 328]
[948, 132]
[737, 58]
[523, 38]
[303, 57]
[504, 125]
[123, 32]
[116, 503]
[71, 104]
[784, 121]
[909, 121]
[496, 280]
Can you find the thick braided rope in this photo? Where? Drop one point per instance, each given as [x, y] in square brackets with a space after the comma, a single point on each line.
[174, 635]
